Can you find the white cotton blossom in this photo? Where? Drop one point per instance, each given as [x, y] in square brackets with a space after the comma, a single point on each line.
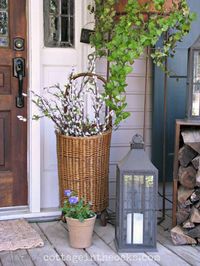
[21, 118]
[66, 107]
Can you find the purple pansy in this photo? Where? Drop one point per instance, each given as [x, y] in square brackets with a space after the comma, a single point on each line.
[73, 200]
[67, 192]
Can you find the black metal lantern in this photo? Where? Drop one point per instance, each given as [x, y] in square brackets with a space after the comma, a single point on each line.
[137, 183]
[194, 81]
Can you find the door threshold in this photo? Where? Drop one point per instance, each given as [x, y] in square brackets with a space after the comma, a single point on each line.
[13, 209]
[23, 212]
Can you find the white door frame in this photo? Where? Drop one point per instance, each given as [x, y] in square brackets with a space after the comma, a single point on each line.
[35, 35]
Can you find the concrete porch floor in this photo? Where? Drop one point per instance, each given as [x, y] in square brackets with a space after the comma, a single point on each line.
[57, 251]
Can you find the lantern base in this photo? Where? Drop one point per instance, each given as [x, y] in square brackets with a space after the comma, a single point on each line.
[134, 248]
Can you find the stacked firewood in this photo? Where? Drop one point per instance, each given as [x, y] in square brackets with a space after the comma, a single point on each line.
[187, 230]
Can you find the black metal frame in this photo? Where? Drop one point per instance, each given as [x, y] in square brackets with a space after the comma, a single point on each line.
[136, 163]
[137, 247]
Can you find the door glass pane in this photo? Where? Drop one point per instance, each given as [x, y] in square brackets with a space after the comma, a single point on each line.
[65, 7]
[59, 23]
[4, 39]
[53, 7]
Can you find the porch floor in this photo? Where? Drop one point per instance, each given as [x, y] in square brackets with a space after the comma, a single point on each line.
[57, 251]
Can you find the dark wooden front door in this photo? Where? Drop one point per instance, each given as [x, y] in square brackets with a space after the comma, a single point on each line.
[13, 133]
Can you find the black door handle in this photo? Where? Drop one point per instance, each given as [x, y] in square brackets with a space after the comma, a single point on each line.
[19, 72]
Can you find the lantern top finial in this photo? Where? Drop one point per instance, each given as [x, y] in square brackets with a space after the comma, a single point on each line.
[137, 142]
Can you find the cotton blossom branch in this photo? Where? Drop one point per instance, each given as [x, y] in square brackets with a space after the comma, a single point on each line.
[21, 118]
[66, 107]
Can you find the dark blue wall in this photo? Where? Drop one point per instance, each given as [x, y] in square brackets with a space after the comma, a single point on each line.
[176, 98]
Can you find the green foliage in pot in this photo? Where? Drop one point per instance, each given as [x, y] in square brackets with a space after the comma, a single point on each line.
[123, 40]
[76, 208]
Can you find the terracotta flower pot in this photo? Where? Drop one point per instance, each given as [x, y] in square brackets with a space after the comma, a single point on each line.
[168, 6]
[80, 233]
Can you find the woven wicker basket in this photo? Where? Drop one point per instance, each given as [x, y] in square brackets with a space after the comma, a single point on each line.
[83, 165]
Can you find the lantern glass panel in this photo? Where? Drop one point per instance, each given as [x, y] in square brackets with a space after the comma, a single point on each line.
[117, 221]
[149, 227]
[132, 192]
[196, 84]
[133, 216]
[196, 73]
[128, 179]
[149, 207]
[149, 192]
[196, 100]
[139, 209]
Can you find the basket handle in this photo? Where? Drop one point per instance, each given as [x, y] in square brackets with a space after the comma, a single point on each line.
[90, 74]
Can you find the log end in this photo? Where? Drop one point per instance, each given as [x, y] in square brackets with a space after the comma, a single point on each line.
[180, 238]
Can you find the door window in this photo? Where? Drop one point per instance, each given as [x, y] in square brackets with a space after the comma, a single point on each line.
[59, 23]
[4, 39]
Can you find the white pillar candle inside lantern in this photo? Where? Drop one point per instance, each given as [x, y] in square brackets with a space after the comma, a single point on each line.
[137, 228]
[134, 228]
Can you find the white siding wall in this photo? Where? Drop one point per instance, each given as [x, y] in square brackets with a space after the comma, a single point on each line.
[134, 124]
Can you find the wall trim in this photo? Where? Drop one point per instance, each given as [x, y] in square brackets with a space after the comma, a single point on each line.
[35, 10]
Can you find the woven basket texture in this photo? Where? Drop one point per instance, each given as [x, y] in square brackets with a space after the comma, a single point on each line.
[83, 166]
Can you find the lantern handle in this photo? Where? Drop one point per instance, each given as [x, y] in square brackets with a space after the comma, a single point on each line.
[137, 142]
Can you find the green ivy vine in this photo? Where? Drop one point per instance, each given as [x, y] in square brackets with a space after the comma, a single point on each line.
[123, 40]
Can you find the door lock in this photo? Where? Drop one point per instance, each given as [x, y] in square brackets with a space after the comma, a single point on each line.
[18, 44]
[19, 73]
